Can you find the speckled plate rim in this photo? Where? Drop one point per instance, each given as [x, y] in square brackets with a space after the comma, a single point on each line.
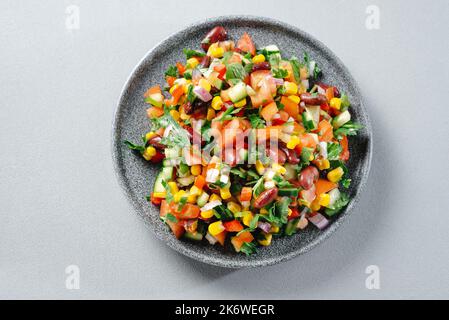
[173, 243]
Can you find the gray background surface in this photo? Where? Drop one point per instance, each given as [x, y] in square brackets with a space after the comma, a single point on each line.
[60, 203]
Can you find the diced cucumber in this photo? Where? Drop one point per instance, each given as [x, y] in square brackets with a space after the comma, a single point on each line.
[341, 119]
[183, 170]
[186, 181]
[202, 199]
[165, 174]
[217, 83]
[272, 48]
[290, 228]
[155, 99]
[243, 155]
[334, 195]
[196, 236]
[237, 92]
[288, 192]
[291, 171]
[314, 113]
[172, 153]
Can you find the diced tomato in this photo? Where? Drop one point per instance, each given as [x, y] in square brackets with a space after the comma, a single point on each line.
[329, 93]
[177, 93]
[152, 90]
[325, 107]
[294, 214]
[324, 186]
[221, 69]
[246, 236]
[156, 201]
[176, 227]
[246, 44]
[235, 58]
[181, 68]
[290, 107]
[189, 211]
[158, 157]
[263, 83]
[233, 226]
[246, 194]
[200, 181]
[154, 112]
[269, 111]
[287, 66]
[325, 131]
[237, 243]
[308, 141]
[345, 152]
[170, 80]
[221, 237]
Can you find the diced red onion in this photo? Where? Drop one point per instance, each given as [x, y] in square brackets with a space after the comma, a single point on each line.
[264, 226]
[279, 82]
[212, 240]
[202, 94]
[319, 221]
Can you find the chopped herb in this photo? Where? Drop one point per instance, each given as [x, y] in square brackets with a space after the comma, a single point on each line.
[280, 73]
[258, 187]
[341, 202]
[346, 182]
[305, 154]
[193, 53]
[235, 71]
[172, 71]
[178, 137]
[168, 195]
[190, 95]
[256, 121]
[239, 172]
[296, 66]
[248, 248]
[348, 129]
[334, 150]
[133, 146]
[171, 218]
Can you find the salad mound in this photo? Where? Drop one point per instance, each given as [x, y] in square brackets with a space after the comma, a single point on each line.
[252, 145]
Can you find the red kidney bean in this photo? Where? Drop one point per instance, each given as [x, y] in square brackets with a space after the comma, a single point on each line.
[238, 50]
[309, 99]
[156, 142]
[308, 177]
[205, 62]
[261, 66]
[266, 197]
[275, 153]
[216, 34]
[292, 156]
[335, 89]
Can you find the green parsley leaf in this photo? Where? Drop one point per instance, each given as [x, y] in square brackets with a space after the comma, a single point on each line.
[341, 202]
[333, 150]
[296, 66]
[280, 73]
[348, 129]
[346, 182]
[133, 146]
[248, 248]
[256, 121]
[171, 218]
[172, 71]
[235, 71]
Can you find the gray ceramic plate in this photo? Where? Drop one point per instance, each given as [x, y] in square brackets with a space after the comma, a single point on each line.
[136, 176]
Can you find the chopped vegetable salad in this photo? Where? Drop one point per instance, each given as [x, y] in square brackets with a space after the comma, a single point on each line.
[252, 145]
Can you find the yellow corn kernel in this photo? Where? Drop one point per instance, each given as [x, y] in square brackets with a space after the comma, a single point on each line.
[274, 229]
[150, 135]
[210, 114]
[247, 219]
[194, 190]
[192, 63]
[240, 103]
[191, 198]
[179, 195]
[267, 240]
[215, 51]
[311, 157]
[173, 187]
[303, 202]
[290, 212]
[196, 169]
[263, 211]
[182, 114]
[160, 194]
[186, 86]
[259, 58]
[204, 84]
[149, 153]
[323, 164]
[335, 103]
[207, 214]
[295, 99]
[173, 88]
[290, 88]
[214, 197]
[225, 193]
[293, 142]
[217, 103]
[259, 167]
[175, 114]
[315, 205]
[278, 168]
[324, 199]
[234, 207]
[216, 228]
[335, 175]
